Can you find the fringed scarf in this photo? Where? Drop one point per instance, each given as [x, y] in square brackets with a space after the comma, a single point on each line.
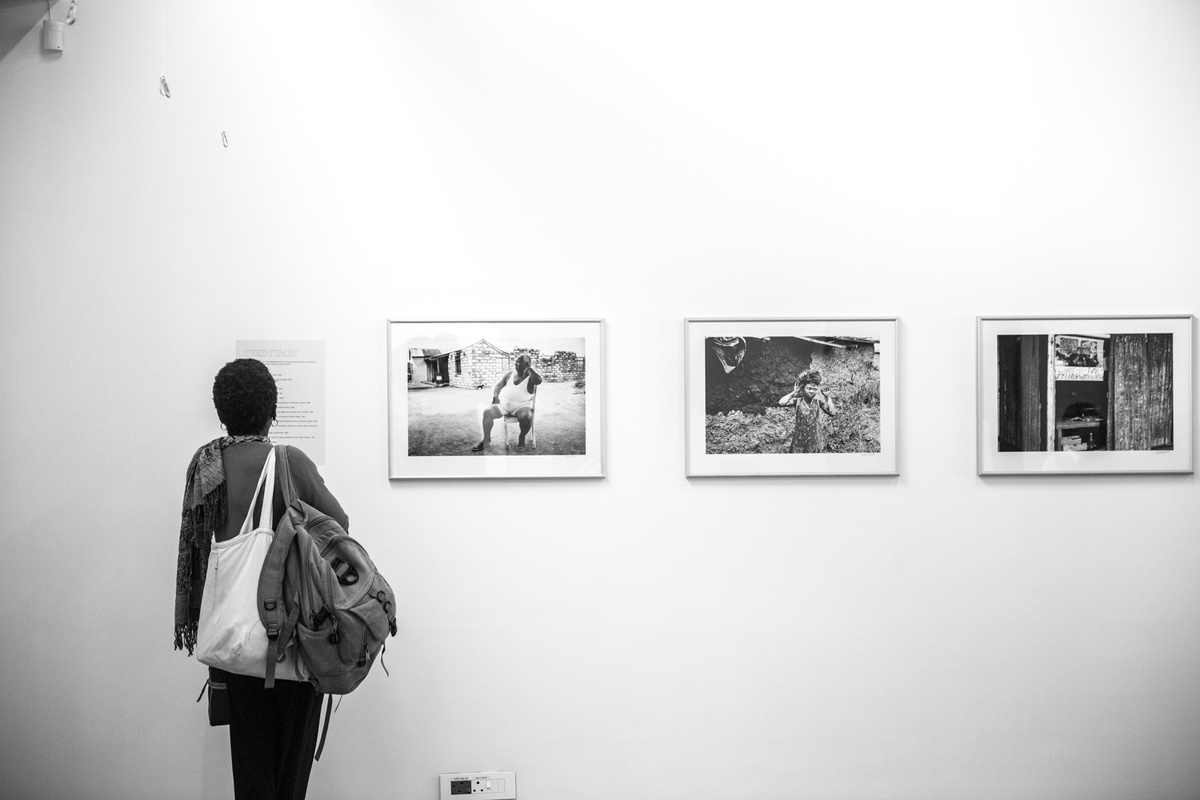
[205, 506]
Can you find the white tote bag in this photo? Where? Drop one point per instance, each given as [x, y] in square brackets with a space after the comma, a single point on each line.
[231, 635]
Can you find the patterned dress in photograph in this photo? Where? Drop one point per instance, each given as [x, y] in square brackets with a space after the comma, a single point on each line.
[808, 436]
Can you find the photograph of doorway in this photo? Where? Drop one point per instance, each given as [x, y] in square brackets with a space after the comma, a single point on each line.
[1061, 392]
[1085, 394]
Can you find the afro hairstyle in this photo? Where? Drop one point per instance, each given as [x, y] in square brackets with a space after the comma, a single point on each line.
[245, 396]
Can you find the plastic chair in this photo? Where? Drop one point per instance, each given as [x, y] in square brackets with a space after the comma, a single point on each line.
[511, 419]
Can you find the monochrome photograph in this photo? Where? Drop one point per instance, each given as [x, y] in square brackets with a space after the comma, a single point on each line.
[1098, 394]
[791, 396]
[471, 399]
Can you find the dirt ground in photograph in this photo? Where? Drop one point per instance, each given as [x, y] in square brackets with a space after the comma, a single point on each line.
[445, 421]
[771, 431]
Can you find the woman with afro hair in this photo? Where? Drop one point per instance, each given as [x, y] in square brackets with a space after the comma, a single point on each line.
[272, 732]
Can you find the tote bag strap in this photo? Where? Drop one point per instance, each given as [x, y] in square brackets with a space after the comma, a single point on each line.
[265, 478]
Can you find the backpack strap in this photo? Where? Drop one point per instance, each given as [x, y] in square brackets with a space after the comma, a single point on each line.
[284, 471]
[325, 727]
[271, 610]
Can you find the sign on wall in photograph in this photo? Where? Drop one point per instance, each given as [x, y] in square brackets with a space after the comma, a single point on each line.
[790, 396]
[1085, 394]
[496, 399]
[299, 371]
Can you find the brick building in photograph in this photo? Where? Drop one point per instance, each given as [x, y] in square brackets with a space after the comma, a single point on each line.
[482, 364]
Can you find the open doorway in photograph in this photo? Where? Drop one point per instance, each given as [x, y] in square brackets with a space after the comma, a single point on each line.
[1097, 390]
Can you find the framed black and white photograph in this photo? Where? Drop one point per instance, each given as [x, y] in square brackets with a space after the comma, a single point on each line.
[1085, 394]
[790, 396]
[496, 399]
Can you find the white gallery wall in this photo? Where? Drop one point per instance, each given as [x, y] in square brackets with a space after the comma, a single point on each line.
[931, 635]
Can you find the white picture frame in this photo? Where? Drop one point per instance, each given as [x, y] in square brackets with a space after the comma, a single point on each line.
[733, 430]
[441, 377]
[1085, 394]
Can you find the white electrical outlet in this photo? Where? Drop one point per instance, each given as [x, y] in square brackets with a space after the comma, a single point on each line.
[481, 785]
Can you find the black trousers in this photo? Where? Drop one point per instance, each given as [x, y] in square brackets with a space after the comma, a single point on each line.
[272, 737]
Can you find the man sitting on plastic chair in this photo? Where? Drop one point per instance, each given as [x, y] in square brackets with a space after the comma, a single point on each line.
[512, 397]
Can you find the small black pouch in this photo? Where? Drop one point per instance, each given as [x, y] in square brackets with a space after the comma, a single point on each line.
[217, 687]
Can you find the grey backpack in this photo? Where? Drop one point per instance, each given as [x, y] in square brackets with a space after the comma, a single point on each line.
[320, 586]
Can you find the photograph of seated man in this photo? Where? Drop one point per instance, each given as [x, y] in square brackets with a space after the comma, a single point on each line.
[512, 396]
